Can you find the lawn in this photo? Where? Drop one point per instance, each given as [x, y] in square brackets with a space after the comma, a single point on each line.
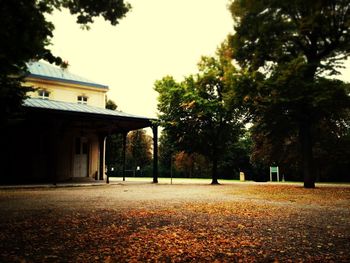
[143, 222]
[162, 180]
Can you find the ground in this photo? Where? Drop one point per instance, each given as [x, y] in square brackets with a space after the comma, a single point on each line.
[144, 222]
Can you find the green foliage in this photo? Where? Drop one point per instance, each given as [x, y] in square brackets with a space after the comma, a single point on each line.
[283, 47]
[332, 151]
[86, 10]
[138, 149]
[272, 31]
[237, 158]
[111, 105]
[26, 34]
[114, 146]
[191, 165]
[194, 113]
[166, 152]
[114, 152]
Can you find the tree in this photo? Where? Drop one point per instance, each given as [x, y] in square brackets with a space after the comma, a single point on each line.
[332, 151]
[237, 158]
[191, 165]
[111, 105]
[194, 114]
[166, 154]
[114, 152]
[295, 44]
[114, 145]
[139, 146]
[25, 35]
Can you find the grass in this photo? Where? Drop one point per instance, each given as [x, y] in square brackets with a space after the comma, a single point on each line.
[165, 180]
[168, 180]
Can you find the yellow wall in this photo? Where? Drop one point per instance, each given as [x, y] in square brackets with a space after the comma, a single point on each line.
[68, 92]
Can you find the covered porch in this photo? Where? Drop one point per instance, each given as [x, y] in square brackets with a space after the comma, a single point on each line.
[61, 141]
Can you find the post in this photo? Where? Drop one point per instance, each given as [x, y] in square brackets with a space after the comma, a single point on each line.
[241, 176]
[270, 174]
[171, 169]
[101, 141]
[124, 154]
[155, 153]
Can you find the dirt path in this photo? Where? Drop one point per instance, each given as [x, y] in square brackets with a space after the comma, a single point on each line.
[175, 223]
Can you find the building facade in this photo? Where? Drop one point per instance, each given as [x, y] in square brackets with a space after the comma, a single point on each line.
[57, 84]
[62, 135]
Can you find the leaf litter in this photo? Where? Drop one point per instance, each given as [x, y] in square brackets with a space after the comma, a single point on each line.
[266, 223]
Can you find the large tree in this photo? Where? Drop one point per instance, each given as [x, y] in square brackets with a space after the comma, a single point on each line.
[288, 48]
[26, 33]
[194, 114]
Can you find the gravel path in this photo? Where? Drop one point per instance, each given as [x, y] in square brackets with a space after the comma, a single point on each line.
[117, 196]
[139, 222]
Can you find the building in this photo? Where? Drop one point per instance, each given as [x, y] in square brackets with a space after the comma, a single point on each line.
[62, 135]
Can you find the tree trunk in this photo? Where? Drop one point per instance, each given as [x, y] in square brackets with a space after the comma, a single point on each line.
[305, 135]
[306, 154]
[215, 172]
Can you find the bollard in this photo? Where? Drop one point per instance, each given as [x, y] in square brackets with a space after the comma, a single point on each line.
[241, 176]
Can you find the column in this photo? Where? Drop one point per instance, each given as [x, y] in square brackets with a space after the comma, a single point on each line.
[102, 148]
[124, 154]
[155, 153]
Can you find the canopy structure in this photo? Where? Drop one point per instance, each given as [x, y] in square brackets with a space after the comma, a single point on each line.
[61, 141]
[89, 119]
[102, 120]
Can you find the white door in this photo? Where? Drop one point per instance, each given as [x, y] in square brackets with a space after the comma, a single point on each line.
[81, 157]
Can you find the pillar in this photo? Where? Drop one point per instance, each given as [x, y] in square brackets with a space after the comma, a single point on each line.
[124, 154]
[155, 153]
[102, 148]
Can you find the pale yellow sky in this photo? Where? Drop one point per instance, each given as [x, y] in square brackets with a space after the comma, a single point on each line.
[157, 38]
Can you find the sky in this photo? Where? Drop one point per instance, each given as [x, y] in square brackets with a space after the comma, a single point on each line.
[155, 39]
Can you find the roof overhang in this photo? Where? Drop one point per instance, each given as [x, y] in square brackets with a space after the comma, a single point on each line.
[102, 120]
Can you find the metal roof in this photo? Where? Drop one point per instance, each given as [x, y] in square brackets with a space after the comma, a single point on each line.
[77, 108]
[42, 70]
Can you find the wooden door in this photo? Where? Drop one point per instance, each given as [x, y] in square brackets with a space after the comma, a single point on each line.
[81, 157]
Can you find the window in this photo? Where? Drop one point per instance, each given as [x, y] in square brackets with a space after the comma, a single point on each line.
[82, 99]
[81, 146]
[77, 145]
[43, 94]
